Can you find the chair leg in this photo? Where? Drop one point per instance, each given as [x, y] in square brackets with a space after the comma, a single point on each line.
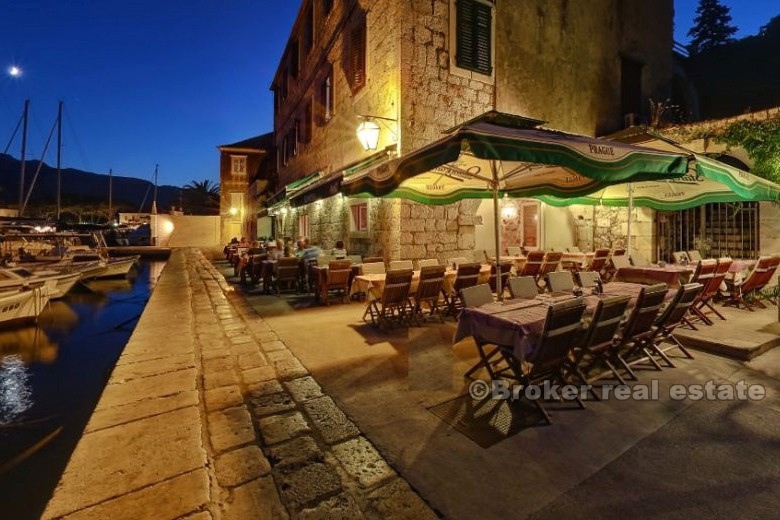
[713, 309]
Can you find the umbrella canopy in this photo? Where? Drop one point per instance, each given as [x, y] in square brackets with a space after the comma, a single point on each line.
[527, 161]
[708, 181]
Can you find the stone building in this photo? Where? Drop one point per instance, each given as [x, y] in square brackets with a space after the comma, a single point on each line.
[243, 181]
[414, 68]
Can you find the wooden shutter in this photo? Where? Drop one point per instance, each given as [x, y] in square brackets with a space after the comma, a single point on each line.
[357, 57]
[474, 26]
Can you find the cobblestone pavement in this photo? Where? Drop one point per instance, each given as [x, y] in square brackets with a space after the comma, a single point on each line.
[209, 415]
[280, 445]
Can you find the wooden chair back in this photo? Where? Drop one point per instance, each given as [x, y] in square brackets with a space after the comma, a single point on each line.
[599, 260]
[605, 323]
[505, 270]
[645, 311]
[563, 322]
[427, 262]
[560, 281]
[533, 263]
[523, 287]
[476, 295]
[467, 276]
[373, 267]
[588, 279]
[400, 264]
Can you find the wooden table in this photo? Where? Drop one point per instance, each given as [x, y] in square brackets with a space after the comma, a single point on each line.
[672, 275]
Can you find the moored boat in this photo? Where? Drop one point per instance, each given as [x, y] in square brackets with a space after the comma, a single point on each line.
[23, 305]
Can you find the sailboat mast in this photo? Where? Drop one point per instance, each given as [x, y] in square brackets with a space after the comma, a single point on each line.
[24, 153]
[110, 194]
[59, 160]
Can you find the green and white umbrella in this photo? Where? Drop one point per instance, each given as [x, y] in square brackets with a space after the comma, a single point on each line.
[708, 181]
[487, 158]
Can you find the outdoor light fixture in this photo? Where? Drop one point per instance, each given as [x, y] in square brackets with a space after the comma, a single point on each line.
[233, 211]
[368, 130]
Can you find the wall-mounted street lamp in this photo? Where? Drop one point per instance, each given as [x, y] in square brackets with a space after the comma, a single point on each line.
[233, 212]
[368, 130]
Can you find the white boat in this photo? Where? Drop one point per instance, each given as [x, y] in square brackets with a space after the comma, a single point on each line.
[25, 277]
[23, 305]
[93, 265]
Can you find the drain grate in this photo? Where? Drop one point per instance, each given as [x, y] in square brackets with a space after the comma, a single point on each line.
[487, 421]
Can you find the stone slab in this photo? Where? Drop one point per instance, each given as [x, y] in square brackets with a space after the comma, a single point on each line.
[295, 452]
[223, 397]
[240, 466]
[258, 500]
[308, 484]
[145, 368]
[160, 385]
[278, 428]
[152, 450]
[362, 462]
[329, 420]
[108, 417]
[170, 499]
[230, 428]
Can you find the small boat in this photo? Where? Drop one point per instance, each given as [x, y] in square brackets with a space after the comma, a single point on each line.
[24, 305]
[32, 277]
[94, 265]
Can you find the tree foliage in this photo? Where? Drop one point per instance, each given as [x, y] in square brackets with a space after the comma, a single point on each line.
[711, 27]
[201, 197]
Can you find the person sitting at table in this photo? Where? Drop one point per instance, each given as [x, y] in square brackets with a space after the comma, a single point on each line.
[339, 252]
[285, 246]
[310, 252]
[300, 247]
[276, 250]
[243, 262]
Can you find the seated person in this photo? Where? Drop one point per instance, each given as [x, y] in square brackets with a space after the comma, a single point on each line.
[310, 252]
[241, 270]
[339, 252]
[300, 247]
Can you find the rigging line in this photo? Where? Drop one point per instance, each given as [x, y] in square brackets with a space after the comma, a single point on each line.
[143, 201]
[11, 141]
[40, 165]
[79, 148]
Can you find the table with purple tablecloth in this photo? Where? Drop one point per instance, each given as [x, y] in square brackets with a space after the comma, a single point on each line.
[672, 275]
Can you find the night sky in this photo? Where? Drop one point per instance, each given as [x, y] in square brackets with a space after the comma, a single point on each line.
[165, 82]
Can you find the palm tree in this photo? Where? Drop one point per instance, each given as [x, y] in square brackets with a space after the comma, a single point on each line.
[201, 197]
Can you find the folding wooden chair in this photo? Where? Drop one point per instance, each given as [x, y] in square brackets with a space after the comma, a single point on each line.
[639, 327]
[711, 284]
[429, 292]
[400, 264]
[598, 341]
[523, 287]
[680, 257]
[514, 251]
[669, 319]
[745, 293]
[705, 275]
[599, 260]
[588, 279]
[372, 259]
[548, 361]
[456, 261]
[427, 262]
[288, 274]
[560, 281]
[372, 268]
[476, 296]
[395, 306]
[467, 276]
[337, 280]
[533, 263]
[694, 255]
[551, 262]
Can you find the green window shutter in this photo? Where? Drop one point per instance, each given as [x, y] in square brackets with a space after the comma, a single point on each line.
[474, 36]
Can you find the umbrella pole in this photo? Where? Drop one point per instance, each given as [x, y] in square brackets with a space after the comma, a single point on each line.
[630, 211]
[496, 230]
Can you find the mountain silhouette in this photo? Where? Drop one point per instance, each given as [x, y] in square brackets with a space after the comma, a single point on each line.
[78, 186]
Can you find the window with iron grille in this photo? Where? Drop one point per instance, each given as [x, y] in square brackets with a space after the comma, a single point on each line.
[715, 230]
[238, 163]
[357, 56]
[294, 57]
[305, 127]
[474, 36]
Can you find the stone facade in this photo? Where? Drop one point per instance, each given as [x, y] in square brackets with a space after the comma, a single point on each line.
[239, 219]
[552, 59]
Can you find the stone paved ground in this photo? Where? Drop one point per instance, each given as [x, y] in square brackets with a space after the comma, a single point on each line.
[209, 415]
[281, 445]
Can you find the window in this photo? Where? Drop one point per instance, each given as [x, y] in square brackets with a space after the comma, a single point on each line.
[285, 150]
[359, 220]
[630, 89]
[303, 226]
[238, 165]
[308, 30]
[474, 36]
[357, 57]
[530, 211]
[284, 85]
[325, 102]
[306, 123]
[294, 57]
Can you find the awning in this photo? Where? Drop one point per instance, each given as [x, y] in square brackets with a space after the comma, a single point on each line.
[328, 185]
[284, 195]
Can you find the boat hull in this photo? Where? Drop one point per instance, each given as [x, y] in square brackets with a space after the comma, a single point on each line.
[23, 306]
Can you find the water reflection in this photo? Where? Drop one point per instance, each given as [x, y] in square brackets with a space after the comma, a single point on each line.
[28, 344]
[51, 377]
[15, 391]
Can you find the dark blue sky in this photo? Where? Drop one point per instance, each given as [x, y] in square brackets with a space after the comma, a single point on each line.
[164, 82]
